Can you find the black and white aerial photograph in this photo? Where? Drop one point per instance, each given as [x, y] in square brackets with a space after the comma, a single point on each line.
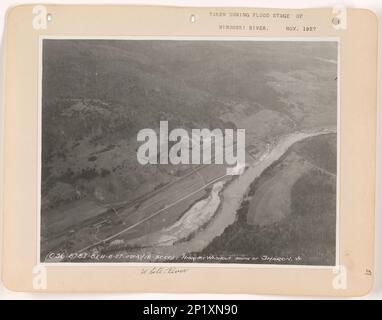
[189, 151]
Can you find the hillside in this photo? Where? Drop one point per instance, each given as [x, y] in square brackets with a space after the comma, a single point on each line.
[289, 211]
[98, 94]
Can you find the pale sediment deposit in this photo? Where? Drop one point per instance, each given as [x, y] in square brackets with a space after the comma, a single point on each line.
[198, 215]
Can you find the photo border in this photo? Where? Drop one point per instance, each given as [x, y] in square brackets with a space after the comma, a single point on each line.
[188, 264]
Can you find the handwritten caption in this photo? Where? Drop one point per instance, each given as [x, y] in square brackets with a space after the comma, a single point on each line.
[128, 257]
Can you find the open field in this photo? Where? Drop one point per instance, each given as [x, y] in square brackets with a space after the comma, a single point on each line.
[296, 217]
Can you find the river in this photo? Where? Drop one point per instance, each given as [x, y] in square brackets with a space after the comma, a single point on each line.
[232, 197]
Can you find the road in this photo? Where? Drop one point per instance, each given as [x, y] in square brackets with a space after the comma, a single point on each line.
[151, 216]
[232, 197]
[171, 201]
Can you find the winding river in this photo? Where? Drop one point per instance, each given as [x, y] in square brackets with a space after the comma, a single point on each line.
[231, 198]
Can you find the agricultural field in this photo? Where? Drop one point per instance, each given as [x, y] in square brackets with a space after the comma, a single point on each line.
[290, 210]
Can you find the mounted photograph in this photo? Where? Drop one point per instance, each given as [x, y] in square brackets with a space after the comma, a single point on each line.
[189, 151]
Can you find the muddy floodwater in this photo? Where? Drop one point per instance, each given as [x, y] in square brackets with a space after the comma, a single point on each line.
[231, 198]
